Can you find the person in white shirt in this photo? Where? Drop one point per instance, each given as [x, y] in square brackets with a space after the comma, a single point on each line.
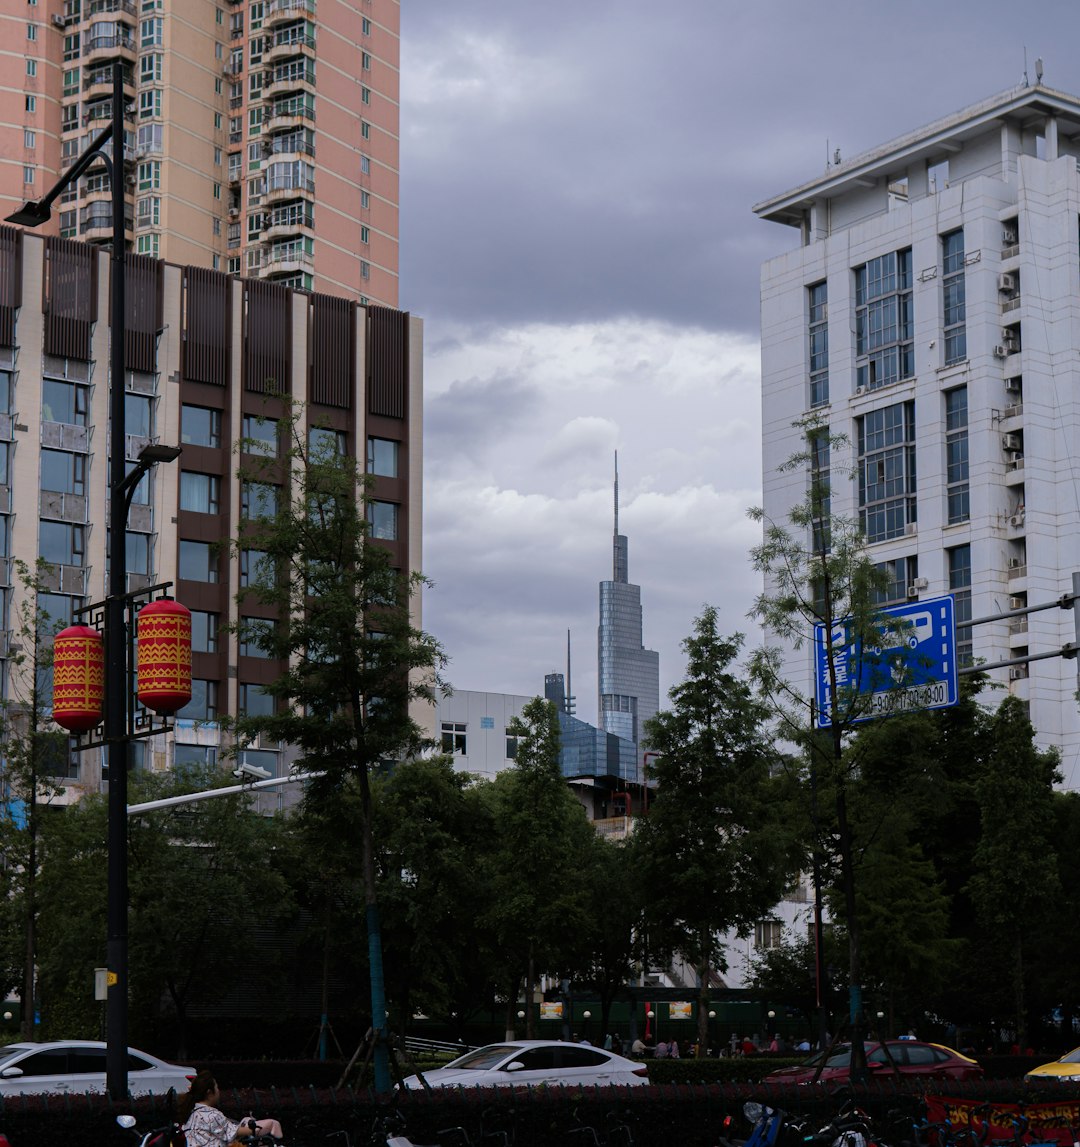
[205, 1126]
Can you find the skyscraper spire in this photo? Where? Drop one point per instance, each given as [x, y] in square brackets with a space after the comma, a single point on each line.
[621, 555]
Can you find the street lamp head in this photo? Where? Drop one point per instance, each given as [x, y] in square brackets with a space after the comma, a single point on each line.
[158, 452]
[521, 1015]
[587, 1015]
[772, 1015]
[712, 1015]
[31, 214]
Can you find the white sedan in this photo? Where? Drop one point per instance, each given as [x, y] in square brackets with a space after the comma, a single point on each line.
[77, 1066]
[535, 1063]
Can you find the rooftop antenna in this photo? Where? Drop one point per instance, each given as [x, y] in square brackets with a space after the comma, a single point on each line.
[569, 691]
[1026, 83]
[616, 491]
[1038, 69]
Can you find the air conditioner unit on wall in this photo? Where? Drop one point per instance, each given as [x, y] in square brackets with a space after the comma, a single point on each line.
[1013, 385]
[1000, 351]
[1010, 442]
[1017, 673]
[1006, 282]
[1015, 563]
[1017, 603]
[1009, 237]
[920, 582]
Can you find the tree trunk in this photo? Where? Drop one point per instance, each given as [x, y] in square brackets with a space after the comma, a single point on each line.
[381, 1058]
[29, 1003]
[847, 870]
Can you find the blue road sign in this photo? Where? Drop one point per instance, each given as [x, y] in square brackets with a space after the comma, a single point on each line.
[912, 667]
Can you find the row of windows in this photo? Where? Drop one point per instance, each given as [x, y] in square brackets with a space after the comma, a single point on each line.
[455, 738]
[887, 480]
[885, 321]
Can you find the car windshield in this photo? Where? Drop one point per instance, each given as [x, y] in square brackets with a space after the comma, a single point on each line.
[12, 1049]
[1072, 1057]
[484, 1057]
[841, 1057]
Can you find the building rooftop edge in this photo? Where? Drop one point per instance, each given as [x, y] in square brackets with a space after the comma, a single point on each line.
[924, 140]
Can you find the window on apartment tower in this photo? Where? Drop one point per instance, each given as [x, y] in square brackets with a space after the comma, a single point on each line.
[959, 558]
[899, 575]
[383, 520]
[150, 67]
[819, 344]
[138, 553]
[204, 631]
[953, 290]
[820, 489]
[886, 444]
[200, 425]
[63, 472]
[152, 32]
[64, 402]
[203, 705]
[768, 934]
[200, 493]
[382, 457]
[197, 561]
[884, 321]
[61, 543]
[453, 737]
[958, 491]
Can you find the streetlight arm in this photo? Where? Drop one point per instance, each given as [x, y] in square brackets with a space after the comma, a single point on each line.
[36, 211]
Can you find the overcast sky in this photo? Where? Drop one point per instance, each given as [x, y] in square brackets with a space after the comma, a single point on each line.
[577, 234]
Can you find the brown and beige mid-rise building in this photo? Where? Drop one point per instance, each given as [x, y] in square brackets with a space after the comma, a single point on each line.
[261, 136]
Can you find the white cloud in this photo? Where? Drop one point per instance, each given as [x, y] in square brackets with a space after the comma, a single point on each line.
[519, 500]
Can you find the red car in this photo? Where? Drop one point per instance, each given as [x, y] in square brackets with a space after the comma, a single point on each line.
[910, 1057]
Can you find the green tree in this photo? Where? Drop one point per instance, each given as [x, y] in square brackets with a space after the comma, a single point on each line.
[201, 877]
[713, 850]
[538, 905]
[817, 573]
[608, 945]
[1015, 884]
[916, 820]
[34, 757]
[353, 661]
[434, 830]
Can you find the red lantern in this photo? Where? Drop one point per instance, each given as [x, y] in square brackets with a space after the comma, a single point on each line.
[78, 678]
[164, 655]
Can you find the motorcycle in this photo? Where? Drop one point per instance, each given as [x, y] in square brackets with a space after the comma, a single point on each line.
[766, 1125]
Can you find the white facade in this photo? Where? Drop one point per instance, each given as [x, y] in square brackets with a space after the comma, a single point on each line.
[473, 728]
[956, 383]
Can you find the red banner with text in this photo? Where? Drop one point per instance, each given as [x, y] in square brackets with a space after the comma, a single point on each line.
[1043, 1122]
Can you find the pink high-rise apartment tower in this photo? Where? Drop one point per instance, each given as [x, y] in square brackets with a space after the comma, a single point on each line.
[261, 135]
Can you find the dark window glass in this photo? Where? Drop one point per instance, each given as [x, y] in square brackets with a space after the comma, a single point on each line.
[200, 426]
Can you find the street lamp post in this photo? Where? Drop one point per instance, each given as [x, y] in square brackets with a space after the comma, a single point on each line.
[121, 490]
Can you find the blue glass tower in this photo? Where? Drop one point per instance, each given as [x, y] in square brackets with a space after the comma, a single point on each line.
[628, 673]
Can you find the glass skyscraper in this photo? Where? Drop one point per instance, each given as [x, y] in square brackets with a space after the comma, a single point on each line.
[629, 674]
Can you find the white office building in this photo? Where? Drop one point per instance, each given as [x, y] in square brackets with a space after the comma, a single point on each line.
[931, 311]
